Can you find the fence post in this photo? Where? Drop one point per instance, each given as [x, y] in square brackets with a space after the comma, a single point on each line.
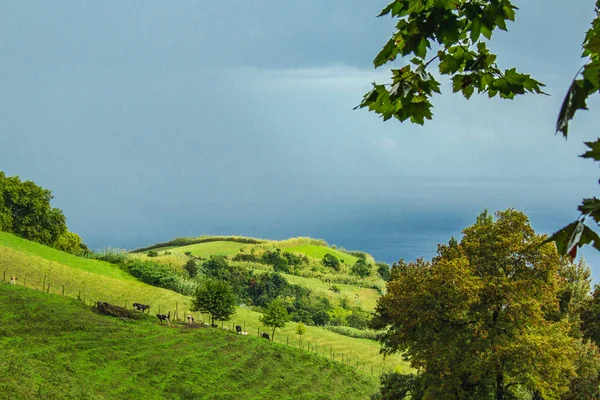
[244, 326]
[258, 332]
[371, 370]
[48, 291]
[288, 340]
[4, 277]
[63, 290]
[25, 281]
[44, 284]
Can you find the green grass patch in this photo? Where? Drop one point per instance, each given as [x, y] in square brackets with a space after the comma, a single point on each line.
[205, 250]
[54, 347]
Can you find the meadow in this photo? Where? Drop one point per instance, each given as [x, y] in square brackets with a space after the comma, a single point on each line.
[54, 347]
[93, 280]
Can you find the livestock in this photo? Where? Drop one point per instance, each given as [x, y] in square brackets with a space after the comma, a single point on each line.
[163, 317]
[13, 280]
[141, 307]
[238, 329]
[191, 320]
[265, 335]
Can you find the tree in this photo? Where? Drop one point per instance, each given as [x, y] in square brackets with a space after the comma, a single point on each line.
[383, 270]
[275, 316]
[215, 298]
[331, 261]
[216, 267]
[25, 211]
[300, 330]
[191, 267]
[458, 30]
[361, 268]
[479, 320]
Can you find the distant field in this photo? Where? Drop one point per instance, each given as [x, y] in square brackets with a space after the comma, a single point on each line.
[54, 347]
[103, 281]
[367, 297]
[221, 248]
[319, 251]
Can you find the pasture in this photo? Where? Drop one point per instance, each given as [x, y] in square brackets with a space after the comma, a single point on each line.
[93, 280]
[54, 347]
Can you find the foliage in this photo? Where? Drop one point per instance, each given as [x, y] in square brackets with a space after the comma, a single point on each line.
[216, 298]
[275, 316]
[25, 211]
[152, 253]
[459, 29]
[184, 241]
[331, 261]
[396, 386]
[279, 262]
[383, 270]
[300, 329]
[353, 332]
[155, 274]
[478, 320]
[361, 268]
[216, 267]
[71, 242]
[191, 268]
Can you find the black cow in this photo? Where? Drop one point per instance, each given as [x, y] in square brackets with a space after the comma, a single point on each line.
[265, 335]
[141, 307]
[163, 317]
[238, 329]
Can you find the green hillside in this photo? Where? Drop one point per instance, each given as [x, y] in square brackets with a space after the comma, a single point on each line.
[219, 248]
[319, 251]
[94, 280]
[54, 347]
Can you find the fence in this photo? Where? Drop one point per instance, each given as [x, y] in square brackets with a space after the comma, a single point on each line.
[46, 284]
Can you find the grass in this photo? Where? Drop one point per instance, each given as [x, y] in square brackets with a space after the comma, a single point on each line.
[318, 252]
[103, 281]
[220, 248]
[54, 347]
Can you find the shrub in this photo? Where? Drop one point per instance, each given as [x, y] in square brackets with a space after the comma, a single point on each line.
[331, 261]
[383, 270]
[361, 268]
[247, 258]
[191, 267]
[152, 253]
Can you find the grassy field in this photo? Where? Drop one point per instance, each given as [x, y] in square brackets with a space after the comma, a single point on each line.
[54, 347]
[221, 248]
[318, 252]
[103, 281]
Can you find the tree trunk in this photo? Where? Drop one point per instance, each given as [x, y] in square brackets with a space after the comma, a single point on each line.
[500, 386]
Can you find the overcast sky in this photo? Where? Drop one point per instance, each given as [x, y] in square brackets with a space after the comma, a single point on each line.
[152, 119]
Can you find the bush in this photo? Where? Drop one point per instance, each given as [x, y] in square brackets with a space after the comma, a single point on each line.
[353, 332]
[152, 253]
[191, 268]
[247, 258]
[361, 268]
[216, 267]
[383, 270]
[331, 261]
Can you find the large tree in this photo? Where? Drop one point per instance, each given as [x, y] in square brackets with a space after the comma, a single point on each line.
[459, 32]
[216, 298]
[482, 320]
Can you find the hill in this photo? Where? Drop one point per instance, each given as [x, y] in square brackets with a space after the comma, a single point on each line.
[36, 265]
[54, 347]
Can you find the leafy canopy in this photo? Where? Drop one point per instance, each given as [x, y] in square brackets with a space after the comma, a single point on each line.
[275, 316]
[452, 35]
[482, 320]
[216, 298]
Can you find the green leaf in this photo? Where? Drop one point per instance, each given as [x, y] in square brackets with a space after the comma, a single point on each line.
[486, 81]
[468, 91]
[385, 54]
[574, 100]
[591, 207]
[475, 29]
[449, 65]
[594, 152]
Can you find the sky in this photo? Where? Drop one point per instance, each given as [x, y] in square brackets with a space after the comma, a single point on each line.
[150, 120]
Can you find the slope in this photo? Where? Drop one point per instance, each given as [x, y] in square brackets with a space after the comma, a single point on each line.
[54, 347]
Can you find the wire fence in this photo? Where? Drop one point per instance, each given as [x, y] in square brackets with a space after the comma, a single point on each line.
[45, 283]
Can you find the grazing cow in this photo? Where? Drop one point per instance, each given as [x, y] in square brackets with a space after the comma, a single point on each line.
[238, 329]
[13, 280]
[265, 335]
[191, 320]
[163, 317]
[141, 307]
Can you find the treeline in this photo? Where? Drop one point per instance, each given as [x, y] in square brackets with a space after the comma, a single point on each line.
[185, 241]
[25, 211]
